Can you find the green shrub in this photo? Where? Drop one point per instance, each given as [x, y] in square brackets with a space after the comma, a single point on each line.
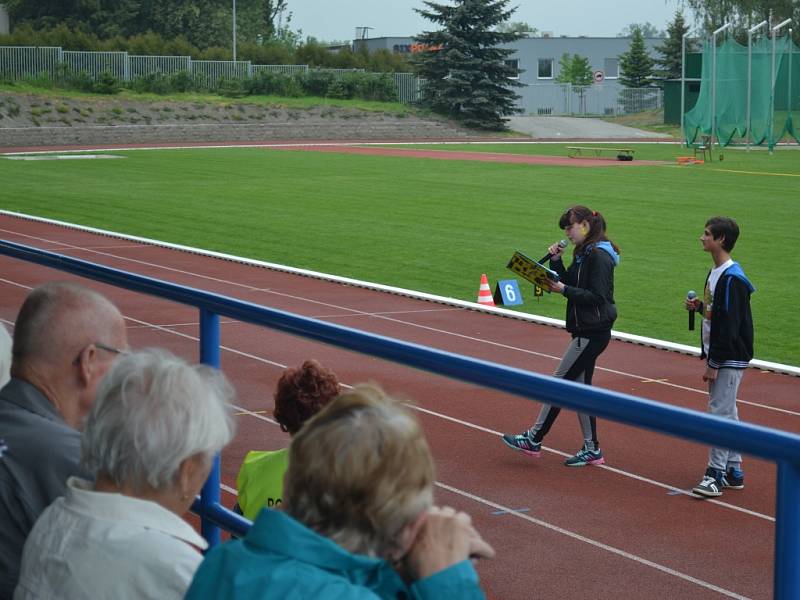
[231, 88]
[106, 83]
[316, 82]
[339, 89]
[155, 83]
[184, 81]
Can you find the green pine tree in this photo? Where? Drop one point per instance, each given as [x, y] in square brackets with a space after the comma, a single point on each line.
[670, 50]
[635, 65]
[465, 72]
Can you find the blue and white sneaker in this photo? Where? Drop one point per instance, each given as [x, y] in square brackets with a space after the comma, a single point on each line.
[733, 479]
[711, 484]
[585, 457]
[524, 443]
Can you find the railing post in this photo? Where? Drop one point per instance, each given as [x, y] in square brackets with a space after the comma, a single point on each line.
[209, 355]
[787, 532]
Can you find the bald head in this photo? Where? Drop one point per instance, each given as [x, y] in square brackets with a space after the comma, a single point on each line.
[58, 319]
[59, 337]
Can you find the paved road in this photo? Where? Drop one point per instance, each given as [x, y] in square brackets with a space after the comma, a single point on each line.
[573, 127]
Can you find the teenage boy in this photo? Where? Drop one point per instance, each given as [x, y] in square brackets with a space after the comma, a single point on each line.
[727, 336]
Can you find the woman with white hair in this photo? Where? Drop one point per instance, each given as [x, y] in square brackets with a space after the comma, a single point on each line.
[149, 439]
[5, 355]
[358, 519]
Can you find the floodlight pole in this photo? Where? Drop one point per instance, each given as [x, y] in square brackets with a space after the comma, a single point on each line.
[714, 82]
[234, 30]
[750, 33]
[789, 89]
[775, 30]
[683, 81]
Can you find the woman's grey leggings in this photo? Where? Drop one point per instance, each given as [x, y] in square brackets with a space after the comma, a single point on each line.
[577, 364]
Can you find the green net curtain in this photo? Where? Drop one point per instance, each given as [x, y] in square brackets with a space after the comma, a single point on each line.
[771, 117]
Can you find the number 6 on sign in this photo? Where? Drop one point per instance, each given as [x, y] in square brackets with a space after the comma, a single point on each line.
[507, 293]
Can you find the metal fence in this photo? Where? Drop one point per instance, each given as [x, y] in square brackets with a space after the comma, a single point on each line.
[19, 62]
[95, 63]
[210, 72]
[780, 447]
[283, 69]
[607, 99]
[141, 66]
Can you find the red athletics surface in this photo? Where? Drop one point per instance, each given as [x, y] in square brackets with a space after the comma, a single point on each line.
[623, 530]
[353, 148]
[479, 156]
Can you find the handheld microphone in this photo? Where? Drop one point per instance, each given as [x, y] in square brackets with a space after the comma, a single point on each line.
[548, 256]
[691, 295]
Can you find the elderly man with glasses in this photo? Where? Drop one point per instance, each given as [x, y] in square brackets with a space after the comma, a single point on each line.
[66, 337]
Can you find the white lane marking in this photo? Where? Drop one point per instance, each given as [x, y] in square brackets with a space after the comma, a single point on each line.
[190, 324]
[555, 528]
[628, 474]
[591, 542]
[386, 312]
[355, 312]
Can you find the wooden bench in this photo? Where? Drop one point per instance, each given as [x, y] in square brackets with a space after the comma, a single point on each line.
[578, 151]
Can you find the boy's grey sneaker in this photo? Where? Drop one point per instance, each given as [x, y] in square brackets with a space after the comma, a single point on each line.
[586, 457]
[524, 443]
[733, 479]
[711, 484]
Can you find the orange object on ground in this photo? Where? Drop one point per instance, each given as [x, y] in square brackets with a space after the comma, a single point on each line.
[484, 293]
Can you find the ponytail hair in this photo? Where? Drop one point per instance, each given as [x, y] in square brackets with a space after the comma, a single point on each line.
[597, 227]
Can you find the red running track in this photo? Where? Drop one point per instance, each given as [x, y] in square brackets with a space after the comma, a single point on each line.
[624, 530]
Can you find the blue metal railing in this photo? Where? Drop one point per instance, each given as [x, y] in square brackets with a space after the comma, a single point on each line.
[777, 446]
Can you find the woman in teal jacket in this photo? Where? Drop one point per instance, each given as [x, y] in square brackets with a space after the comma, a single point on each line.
[358, 520]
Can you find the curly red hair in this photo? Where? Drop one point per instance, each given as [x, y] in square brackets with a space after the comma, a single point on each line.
[301, 393]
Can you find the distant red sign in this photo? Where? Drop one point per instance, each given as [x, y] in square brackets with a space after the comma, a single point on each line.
[425, 48]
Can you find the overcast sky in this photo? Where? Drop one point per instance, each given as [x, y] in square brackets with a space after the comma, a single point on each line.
[337, 19]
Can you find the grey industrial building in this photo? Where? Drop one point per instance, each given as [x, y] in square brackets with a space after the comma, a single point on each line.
[537, 59]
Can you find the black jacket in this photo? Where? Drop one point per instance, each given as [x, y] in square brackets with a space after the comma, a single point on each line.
[731, 339]
[590, 290]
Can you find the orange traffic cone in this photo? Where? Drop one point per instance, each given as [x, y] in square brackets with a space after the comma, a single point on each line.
[485, 294]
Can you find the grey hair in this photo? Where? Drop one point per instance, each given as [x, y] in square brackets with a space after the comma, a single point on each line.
[359, 472]
[5, 355]
[153, 411]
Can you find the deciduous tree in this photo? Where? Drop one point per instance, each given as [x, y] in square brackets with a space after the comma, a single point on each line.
[711, 14]
[574, 69]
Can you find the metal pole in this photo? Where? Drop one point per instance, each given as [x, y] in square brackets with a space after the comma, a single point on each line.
[683, 82]
[714, 83]
[209, 355]
[750, 33]
[787, 532]
[772, 84]
[234, 30]
[789, 88]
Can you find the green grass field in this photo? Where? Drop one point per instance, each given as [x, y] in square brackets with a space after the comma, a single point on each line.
[435, 226]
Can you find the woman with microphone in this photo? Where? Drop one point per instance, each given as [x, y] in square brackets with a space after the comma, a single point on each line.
[588, 285]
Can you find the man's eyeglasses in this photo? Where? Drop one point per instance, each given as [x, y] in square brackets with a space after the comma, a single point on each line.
[100, 346]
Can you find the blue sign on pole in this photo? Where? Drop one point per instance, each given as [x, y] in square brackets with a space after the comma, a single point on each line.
[507, 293]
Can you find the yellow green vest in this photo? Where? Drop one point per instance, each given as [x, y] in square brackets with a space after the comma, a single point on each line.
[260, 480]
